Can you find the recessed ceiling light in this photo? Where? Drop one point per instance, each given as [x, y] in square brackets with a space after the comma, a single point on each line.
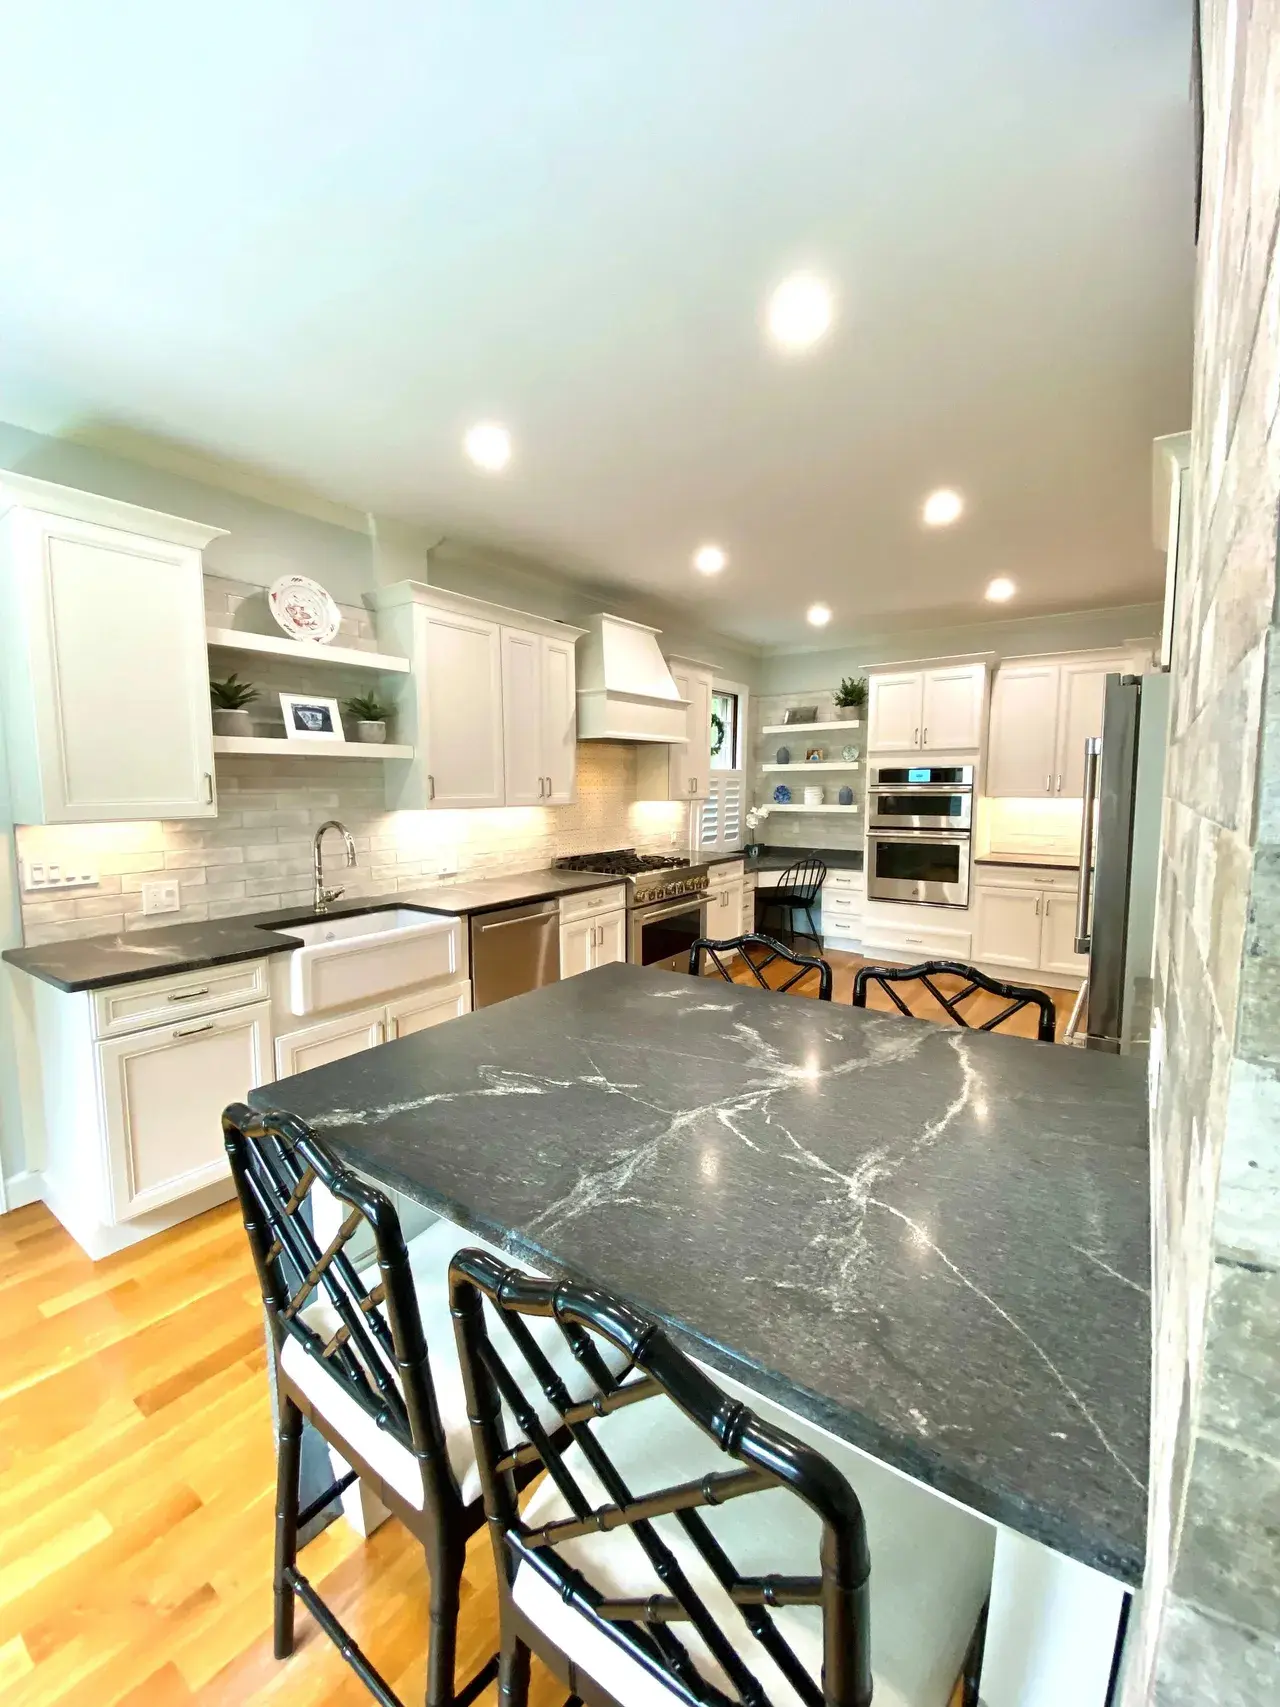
[710, 559]
[801, 311]
[1000, 589]
[819, 615]
[488, 444]
[941, 508]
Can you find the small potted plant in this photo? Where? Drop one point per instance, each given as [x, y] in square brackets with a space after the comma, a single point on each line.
[851, 699]
[370, 717]
[230, 699]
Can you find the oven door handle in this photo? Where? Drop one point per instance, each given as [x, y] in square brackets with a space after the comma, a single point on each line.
[649, 913]
[958, 836]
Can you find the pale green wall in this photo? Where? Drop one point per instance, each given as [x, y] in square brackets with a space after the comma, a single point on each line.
[798, 672]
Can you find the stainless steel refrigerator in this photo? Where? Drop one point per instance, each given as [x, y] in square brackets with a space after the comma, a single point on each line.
[1119, 861]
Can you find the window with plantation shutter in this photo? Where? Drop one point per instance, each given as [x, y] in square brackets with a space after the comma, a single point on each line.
[722, 813]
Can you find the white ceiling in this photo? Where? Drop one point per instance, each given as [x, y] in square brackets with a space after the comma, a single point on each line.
[326, 238]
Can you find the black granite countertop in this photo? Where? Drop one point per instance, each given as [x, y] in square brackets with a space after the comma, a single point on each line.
[932, 1242]
[96, 962]
[778, 859]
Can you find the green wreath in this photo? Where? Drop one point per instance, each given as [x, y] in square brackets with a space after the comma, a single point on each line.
[717, 733]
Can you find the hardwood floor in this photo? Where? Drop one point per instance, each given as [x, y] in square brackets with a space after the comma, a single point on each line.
[980, 1006]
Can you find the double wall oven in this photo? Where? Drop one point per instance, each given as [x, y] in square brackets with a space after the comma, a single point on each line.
[919, 819]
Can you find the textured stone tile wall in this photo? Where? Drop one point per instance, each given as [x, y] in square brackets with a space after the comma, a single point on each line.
[1209, 1629]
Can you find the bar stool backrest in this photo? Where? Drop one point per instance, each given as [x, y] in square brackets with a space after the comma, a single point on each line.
[757, 1458]
[716, 953]
[376, 1351]
[1018, 996]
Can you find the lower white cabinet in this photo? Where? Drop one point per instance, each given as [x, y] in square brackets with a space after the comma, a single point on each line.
[1058, 937]
[1029, 923]
[724, 911]
[163, 1093]
[1008, 926]
[591, 942]
[332, 1039]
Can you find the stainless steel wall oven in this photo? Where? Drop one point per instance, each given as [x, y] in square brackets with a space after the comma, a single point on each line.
[918, 836]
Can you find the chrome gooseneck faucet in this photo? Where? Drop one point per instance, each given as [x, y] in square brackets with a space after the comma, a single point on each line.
[323, 896]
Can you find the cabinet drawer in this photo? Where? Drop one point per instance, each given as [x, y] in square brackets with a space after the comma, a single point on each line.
[854, 881]
[903, 942]
[843, 912]
[588, 901]
[1026, 877]
[129, 1007]
[729, 871]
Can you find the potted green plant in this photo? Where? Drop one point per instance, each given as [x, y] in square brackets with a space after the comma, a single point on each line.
[230, 698]
[370, 716]
[851, 699]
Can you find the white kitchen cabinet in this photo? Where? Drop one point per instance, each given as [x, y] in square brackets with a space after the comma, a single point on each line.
[426, 1008]
[894, 707]
[330, 1040]
[489, 702]
[724, 911]
[1058, 937]
[938, 709]
[586, 943]
[681, 771]
[163, 1093]
[103, 658]
[1042, 712]
[1007, 926]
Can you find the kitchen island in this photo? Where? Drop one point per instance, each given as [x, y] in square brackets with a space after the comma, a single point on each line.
[931, 1243]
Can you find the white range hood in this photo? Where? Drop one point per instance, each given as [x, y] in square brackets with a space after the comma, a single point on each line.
[625, 690]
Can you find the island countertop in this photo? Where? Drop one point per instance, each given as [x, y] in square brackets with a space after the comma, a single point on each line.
[932, 1242]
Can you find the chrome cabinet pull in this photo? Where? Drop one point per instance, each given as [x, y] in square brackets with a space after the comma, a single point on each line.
[542, 787]
[550, 788]
[188, 995]
[1059, 788]
[191, 1030]
[1037, 906]
[915, 739]
[926, 736]
[1048, 783]
[208, 788]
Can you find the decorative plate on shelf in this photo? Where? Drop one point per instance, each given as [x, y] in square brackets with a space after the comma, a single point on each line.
[782, 794]
[303, 609]
[849, 754]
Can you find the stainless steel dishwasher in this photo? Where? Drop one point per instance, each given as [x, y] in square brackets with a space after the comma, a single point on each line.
[514, 949]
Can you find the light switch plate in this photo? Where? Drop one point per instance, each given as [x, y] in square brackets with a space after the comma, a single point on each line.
[60, 873]
[161, 896]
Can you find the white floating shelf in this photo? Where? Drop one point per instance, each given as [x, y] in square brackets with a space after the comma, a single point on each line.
[304, 651]
[804, 728]
[815, 765]
[775, 806]
[282, 748]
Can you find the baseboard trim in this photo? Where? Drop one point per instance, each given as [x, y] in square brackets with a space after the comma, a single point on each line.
[22, 1189]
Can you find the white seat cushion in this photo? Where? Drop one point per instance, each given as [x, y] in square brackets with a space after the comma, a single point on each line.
[930, 1565]
[429, 1257]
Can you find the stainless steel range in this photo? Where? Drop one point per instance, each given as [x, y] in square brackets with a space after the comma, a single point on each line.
[666, 902]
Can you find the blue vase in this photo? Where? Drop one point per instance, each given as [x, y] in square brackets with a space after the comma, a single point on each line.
[845, 796]
[784, 755]
[782, 794]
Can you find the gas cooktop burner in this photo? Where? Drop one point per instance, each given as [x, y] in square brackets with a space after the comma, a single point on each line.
[622, 862]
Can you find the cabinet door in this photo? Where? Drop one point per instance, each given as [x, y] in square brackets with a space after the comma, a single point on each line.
[559, 720]
[893, 716]
[331, 1040]
[680, 766]
[163, 1093]
[462, 710]
[120, 712]
[1007, 927]
[610, 939]
[576, 941]
[525, 772]
[724, 912]
[1082, 690]
[951, 712]
[697, 777]
[427, 1008]
[1022, 750]
[1058, 939]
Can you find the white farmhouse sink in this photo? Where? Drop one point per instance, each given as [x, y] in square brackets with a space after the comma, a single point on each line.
[359, 957]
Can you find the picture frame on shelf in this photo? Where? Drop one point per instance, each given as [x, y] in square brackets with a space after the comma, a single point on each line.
[310, 717]
[815, 755]
[801, 714]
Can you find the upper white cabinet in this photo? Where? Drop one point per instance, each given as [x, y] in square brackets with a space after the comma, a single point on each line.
[103, 658]
[489, 702]
[938, 709]
[1042, 712]
[682, 771]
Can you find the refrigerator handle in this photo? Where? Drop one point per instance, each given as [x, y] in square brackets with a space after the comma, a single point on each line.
[1084, 894]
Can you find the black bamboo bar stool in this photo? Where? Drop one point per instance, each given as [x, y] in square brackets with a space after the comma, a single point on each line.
[1019, 996]
[759, 952]
[682, 1549]
[369, 1359]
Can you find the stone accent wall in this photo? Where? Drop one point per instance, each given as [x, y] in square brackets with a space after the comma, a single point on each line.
[1210, 1619]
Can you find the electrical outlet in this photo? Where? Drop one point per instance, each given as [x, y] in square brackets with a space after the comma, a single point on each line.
[62, 873]
[675, 838]
[446, 863]
[162, 896]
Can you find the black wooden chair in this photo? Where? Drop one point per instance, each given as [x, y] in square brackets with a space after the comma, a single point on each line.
[1018, 996]
[369, 1359]
[804, 963]
[798, 890]
[682, 1549]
